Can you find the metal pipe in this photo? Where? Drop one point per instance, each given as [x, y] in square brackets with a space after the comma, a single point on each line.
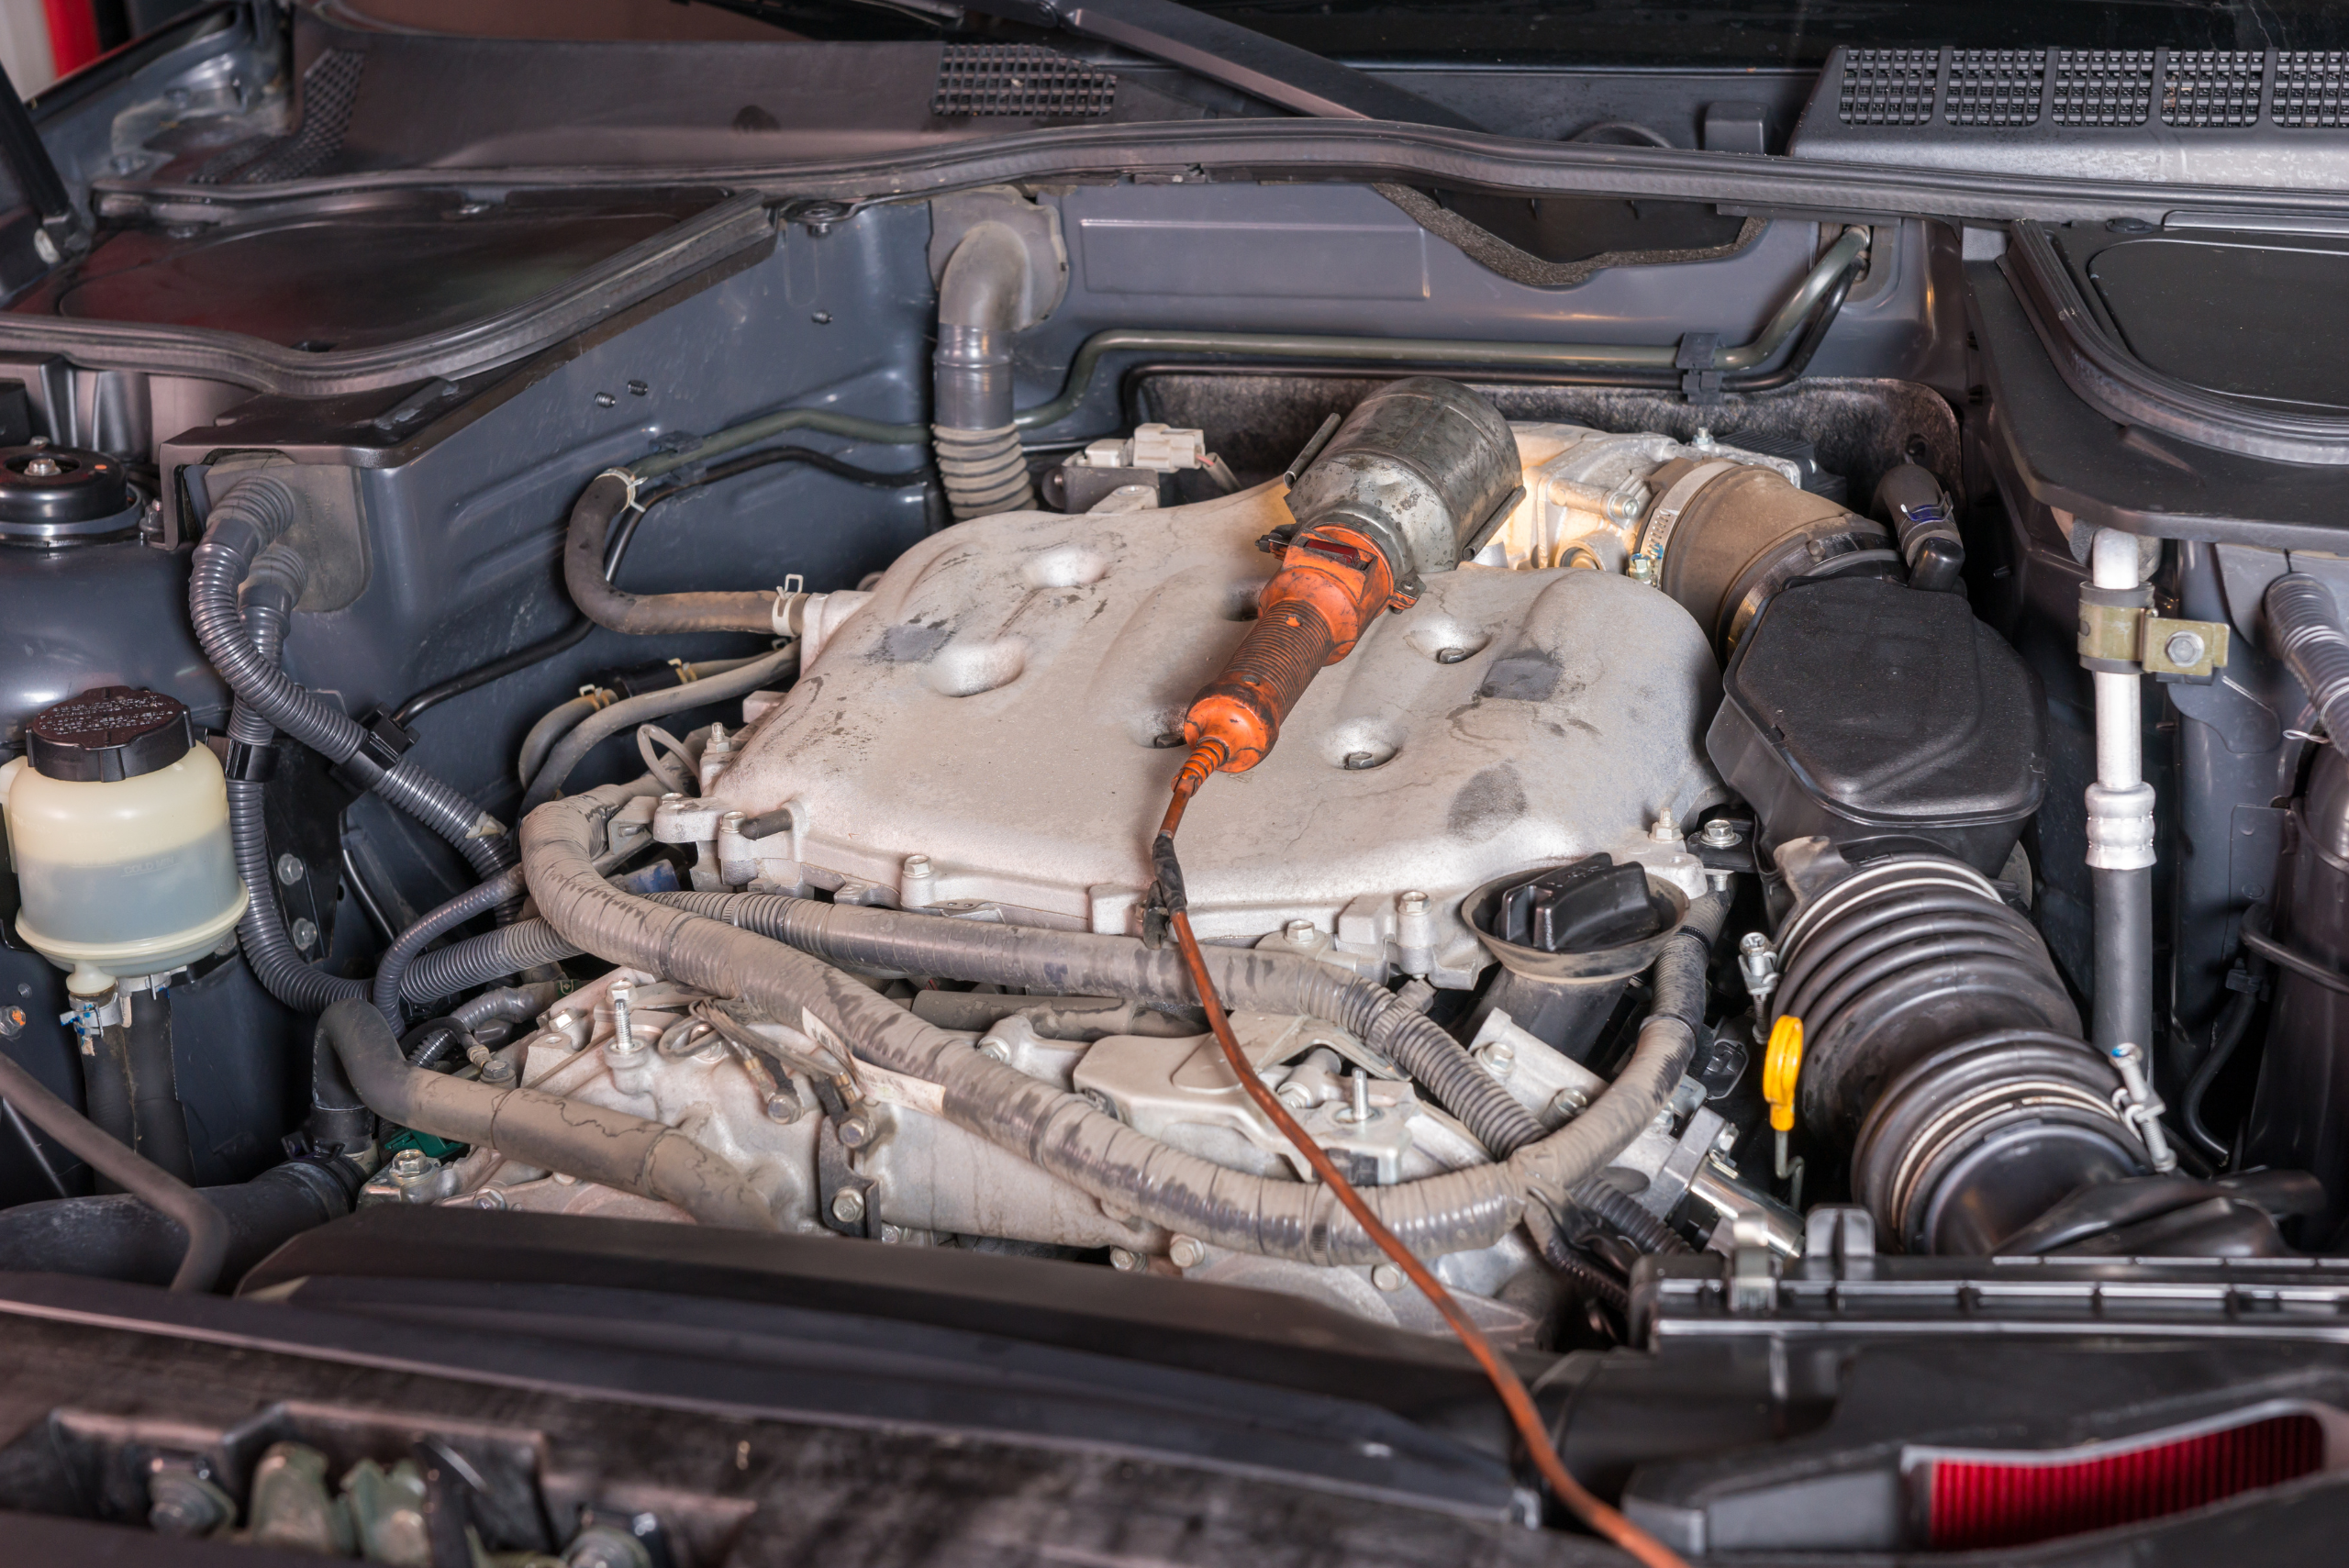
[2121, 850]
[1816, 285]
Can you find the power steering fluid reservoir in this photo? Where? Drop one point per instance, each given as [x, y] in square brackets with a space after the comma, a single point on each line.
[118, 830]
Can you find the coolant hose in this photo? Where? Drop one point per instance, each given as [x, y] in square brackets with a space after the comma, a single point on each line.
[592, 731]
[272, 586]
[606, 1147]
[552, 726]
[1059, 1131]
[117, 1236]
[474, 901]
[253, 514]
[198, 1220]
[2308, 635]
[643, 615]
[979, 295]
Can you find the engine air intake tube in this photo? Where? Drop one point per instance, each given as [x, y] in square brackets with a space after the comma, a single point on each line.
[1941, 1047]
[979, 297]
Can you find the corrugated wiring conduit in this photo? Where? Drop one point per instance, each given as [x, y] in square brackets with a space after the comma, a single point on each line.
[1062, 1133]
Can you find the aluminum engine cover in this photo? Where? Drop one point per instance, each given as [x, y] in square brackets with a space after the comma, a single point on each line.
[1008, 702]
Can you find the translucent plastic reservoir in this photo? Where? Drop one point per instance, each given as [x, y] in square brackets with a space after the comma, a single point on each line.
[126, 876]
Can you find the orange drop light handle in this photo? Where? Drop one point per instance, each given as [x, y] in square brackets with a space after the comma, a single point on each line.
[1332, 583]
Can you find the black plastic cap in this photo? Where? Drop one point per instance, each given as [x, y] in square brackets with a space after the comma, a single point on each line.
[109, 733]
[54, 485]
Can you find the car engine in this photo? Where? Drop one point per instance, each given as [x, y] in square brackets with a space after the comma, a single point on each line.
[1643, 814]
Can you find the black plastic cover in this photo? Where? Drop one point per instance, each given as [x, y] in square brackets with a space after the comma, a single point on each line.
[108, 733]
[1886, 719]
[47, 490]
[1590, 904]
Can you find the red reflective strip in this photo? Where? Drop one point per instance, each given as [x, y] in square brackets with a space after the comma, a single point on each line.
[1978, 1504]
[73, 33]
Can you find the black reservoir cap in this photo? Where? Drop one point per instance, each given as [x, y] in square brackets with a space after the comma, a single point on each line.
[108, 733]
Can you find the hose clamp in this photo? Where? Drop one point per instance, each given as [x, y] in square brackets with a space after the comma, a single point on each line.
[248, 763]
[2121, 826]
[1665, 517]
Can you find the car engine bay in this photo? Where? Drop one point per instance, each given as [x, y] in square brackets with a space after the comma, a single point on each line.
[1722, 795]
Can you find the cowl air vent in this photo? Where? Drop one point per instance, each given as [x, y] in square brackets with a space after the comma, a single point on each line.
[330, 89]
[2270, 118]
[1020, 81]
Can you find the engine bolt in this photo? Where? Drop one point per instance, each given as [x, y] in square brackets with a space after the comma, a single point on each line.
[891, 1235]
[1498, 1057]
[855, 1132]
[304, 932]
[1386, 1277]
[1720, 833]
[1123, 1261]
[1667, 829]
[995, 1050]
[289, 869]
[1450, 655]
[2184, 647]
[848, 1206]
[1186, 1252]
[1411, 903]
[489, 1197]
[1299, 933]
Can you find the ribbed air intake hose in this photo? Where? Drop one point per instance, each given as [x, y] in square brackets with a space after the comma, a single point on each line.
[979, 457]
[2307, 632]
[1904, 956]
[1943, 1053]
[254, 513]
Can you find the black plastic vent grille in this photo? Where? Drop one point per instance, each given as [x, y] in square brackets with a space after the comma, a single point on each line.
[2102, 88]
[1888, 86]
[1015, 79]
[2213, 87]
[2311, 88]
[330, 89]
[1995, 87]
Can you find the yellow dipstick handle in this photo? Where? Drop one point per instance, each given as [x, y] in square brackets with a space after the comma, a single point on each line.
[1781, 1069]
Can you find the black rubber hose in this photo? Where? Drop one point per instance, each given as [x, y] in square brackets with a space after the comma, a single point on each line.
[607, 1147]
[106, 1084]
[584, 544]
[272, 587]
[469, 904]
[198, 1220]
[2304, 624]
[593, 731]
[2226, 1034]
[2123, 1003]
[157, 1121]
[253, 514]
[119, 1236]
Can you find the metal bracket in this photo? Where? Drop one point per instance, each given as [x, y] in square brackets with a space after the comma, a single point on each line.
[2124, 639]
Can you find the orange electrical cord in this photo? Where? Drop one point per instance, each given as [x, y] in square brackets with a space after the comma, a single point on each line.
[1601, 1518]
